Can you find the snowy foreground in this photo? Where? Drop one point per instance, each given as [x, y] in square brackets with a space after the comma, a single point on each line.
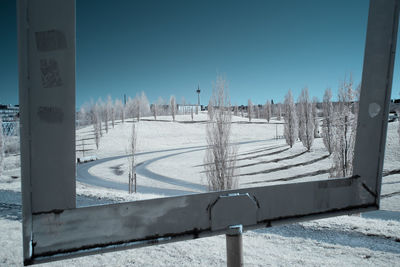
[170, 157]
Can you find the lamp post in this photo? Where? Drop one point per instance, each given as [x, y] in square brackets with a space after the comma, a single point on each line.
[198, 95]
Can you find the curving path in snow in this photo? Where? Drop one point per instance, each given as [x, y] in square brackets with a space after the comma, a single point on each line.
[84, 176]
[186, 187]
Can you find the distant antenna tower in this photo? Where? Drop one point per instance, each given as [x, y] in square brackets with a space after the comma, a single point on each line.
[198, 95]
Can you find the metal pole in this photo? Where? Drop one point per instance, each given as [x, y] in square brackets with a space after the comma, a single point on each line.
[135, 181]
[234, 246]
[129, 183]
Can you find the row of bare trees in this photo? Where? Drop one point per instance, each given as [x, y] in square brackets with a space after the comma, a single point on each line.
[265, 111]
[137, 107]
[301, 119]
[220, 159]
[103, 115]
[339, 122]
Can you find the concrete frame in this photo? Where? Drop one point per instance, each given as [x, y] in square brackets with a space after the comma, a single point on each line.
[54, 229]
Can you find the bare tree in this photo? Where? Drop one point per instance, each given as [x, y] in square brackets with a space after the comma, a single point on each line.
[96, 125]
[119, 110]
[155, 110]
[140, 106]
[315, 116]
[83, 116]
[191, 113]
[210, 109]
[131, 151]
[137, 107]
[111, 110]
[172, 106]
[249, 109]
[103, 113]
[355, 107]
[290, 127]
[160, 106]
[235, 110]
[305, 116]
[100, 115]
[279, 111]
[130, 108]
[220, 157]
[105, 116]
[144, 105]
[299, 126]
[327, 122]
[344, 134]
[267, 110]
[256, 111]
[183, 111]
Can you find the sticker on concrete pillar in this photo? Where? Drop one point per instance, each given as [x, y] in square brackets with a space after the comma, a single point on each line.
[50, 40]
[50, 114]
[50, 73]
[373, 109]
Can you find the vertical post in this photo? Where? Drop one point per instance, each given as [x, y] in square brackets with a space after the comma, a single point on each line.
[380, 49]
[198, 95]
[234, 246]
[46, 68]
[129, 183]
[135, 180]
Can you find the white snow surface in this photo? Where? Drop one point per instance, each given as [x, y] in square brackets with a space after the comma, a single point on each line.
[170, 156]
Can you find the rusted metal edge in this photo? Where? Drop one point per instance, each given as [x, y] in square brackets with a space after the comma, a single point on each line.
[193, 234]
[187, 235]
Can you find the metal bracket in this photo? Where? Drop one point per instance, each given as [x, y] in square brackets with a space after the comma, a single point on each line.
[233, 209]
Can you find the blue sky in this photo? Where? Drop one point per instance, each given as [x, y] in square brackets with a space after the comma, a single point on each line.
[170, 47]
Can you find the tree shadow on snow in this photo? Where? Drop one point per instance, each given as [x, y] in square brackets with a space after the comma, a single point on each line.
[287, 166]
[325, 236]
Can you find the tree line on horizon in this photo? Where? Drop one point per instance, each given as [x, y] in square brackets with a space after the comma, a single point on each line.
[304, 120]
[101, 113]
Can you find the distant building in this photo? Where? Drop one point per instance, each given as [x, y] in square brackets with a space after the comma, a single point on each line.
[185, 109]
[10, 116]
[9, 112]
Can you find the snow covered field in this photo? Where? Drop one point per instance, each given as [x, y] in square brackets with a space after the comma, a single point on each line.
[170, 156]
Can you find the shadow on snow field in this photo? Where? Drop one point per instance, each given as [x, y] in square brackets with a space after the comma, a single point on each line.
[84, 176]
[287, 166]
[273, 160]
